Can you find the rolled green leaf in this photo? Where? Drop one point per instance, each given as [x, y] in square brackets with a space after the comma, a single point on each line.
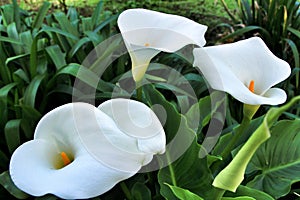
[232, 175]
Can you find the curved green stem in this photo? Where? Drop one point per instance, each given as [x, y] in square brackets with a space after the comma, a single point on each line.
[172, 173]
[234, 139]
[218, 194]
[126, 191]
[249, 111]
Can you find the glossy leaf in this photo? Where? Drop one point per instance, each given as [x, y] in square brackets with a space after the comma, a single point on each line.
[278, 160]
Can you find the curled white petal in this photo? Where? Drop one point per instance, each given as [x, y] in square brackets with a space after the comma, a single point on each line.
[231, 67]
[137, 121]
[152, 28]
[32, 169]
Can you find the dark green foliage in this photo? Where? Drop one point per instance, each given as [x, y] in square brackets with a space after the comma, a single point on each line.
[278, 23]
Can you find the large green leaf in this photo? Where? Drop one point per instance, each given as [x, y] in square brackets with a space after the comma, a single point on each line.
[181, 141]
[188, 172]
[278, 160]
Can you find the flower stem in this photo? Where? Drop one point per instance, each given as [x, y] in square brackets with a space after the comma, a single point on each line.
[218, 194]
[238, 132]
[126, 191]
[172, 173]
[139, 91]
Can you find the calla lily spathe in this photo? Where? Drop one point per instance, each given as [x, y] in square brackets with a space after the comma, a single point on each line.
[147, 32]
[240, 67]
[37, 168]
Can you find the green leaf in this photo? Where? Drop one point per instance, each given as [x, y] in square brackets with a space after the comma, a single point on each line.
[183, 194]
[31, 90]
[247, 191]
[17, 18]
[26, 39]
[77, 46]
[233, 174]
[59, 31]
[248, 29]
[10, 40]
[294, 31]
[13, 33]
[7, 183]
[30, 117]
[12, 134]
[57, 56]
[238, 198]
[278, 160]
[3, 102]
[105, 23]
[184, 172]
[140, 191]
[206, 107]
[96, 16]
[40, 16]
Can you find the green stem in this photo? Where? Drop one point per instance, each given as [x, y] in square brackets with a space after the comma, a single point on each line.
[218, 194]
[125, 190]
[237, 135]
[172, 173]
[139, 91]
[238, 132]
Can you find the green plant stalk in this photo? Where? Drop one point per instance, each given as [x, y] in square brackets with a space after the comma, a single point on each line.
[139, 91]
[126, 191]
[219, 193]
[249, 111]
[234, 19]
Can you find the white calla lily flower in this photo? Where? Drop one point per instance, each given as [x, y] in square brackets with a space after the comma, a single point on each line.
[59, 162]
[148, 32]
[246, 69]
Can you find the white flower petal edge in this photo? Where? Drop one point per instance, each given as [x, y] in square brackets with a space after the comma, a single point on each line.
[231, 67]
[148, 32]
[137, 121]
[35, 166]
